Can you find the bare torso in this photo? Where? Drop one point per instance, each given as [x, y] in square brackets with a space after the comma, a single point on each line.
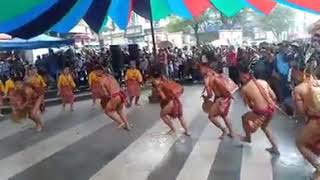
[110, 84]
[253, 96]
[302, 93]
[215, 87]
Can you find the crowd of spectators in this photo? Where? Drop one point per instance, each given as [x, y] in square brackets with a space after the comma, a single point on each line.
[278, 64]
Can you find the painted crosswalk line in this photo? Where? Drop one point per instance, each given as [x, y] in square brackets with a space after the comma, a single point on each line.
[201, 159]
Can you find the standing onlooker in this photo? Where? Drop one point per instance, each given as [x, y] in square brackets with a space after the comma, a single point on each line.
[163, 62]
[282, 71]
[144, 66]
[232, 61]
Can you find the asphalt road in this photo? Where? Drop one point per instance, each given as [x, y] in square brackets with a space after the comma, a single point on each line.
[85, 144]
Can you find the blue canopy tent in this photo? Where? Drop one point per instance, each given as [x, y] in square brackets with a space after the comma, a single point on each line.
[41, 41]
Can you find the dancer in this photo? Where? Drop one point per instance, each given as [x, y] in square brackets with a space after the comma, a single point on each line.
[171, 107]
[260, 98]
[217, 85]
[25, 104]
[95, 84]
[66, 87]
[37, 83]
[133, 80]
[306, 97]
[114, 101]
[9, 86]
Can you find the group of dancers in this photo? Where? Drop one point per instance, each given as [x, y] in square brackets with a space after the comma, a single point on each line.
[27, 98]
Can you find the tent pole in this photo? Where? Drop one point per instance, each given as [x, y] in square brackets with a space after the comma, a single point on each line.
[154, 97]
[154, 48]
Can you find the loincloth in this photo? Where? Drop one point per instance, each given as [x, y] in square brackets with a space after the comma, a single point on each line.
[219, 107]
[115, 102]
[176, 111]
[257, 118]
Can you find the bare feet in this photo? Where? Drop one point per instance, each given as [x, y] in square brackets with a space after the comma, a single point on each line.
[273, 150]
[186, 133]
[170, 132]
[39, 128]
[231, 135]
[245, 139]
[122, 125]
[127, 127]
[224, 133]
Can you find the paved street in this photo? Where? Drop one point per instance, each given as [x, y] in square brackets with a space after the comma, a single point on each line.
[85, 144]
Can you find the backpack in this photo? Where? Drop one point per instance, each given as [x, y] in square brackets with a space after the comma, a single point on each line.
[315, 96]
[172, 89]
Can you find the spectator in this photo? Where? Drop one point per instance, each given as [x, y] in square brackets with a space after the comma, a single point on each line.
[232, 61]
[163, 62]
[144, 65]
[282, 71]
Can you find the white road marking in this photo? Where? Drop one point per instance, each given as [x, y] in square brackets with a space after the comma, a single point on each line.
[201, 159]
[139, 159]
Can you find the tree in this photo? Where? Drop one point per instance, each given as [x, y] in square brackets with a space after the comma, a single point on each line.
[279, 20]
[211, 18]
[177, 25]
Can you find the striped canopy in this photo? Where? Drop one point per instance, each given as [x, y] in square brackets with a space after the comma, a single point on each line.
[29, 18]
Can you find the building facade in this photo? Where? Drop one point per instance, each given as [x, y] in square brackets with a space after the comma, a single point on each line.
[139, 32]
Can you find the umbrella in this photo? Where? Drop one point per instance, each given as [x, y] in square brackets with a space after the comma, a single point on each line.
[29, 18]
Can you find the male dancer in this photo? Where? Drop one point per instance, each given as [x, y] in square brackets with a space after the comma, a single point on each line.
[307, 100]
[217, 86]
[25, 104]
[66, 87]
[171, 106]
[133, 80]
[260, 98]
[114, 101]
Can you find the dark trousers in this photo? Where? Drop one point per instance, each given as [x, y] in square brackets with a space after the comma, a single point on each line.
[234, 74]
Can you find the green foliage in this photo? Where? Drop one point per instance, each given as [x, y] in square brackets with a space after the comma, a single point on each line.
[279, 20]
[177, 24]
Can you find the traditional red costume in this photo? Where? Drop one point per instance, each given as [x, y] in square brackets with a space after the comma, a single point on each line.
[221, 104]
[116, 98]
[172, 91]
[133, 79]
[23, 101]
[259, 117]
[66, 86]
